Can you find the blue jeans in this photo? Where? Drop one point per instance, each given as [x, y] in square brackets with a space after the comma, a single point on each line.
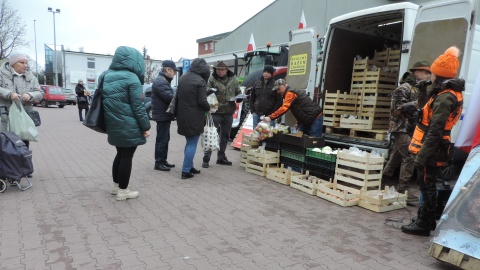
[189, 152]
[161, 143]
[256, 120]
[315, 129]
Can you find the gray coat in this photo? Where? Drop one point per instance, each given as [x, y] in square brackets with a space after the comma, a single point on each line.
[11, 82]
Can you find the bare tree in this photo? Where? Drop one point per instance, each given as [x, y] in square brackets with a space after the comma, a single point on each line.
[12, 30]
[151, 70]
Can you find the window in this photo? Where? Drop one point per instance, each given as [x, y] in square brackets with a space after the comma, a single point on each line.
[90, 62]
[206, 46]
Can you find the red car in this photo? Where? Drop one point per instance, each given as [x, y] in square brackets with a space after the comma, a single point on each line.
[53, 96]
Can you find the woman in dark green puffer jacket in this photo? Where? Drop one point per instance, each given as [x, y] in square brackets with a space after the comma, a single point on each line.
[126, 120]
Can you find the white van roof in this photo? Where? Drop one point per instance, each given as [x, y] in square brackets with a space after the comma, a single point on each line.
[384, 8]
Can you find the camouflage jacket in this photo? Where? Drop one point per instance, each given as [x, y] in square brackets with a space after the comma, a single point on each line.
[227, 88]
[404, 105]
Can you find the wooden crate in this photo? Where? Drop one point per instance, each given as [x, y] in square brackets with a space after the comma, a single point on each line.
[331, 120]
[363, 172]
[369, 123]
[281, 174]
[378, 204]
[306, 183]
[454, 257]
[374, 106]
[339, 194]
[257, 161]
[340, 103]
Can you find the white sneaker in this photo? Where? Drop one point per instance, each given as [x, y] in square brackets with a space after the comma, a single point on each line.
[124, 194]
[114, 189]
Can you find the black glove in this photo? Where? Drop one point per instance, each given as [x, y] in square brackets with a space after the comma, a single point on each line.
[210, 91]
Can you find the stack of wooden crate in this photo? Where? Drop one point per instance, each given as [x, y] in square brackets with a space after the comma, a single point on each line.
[353, 175]
[249, 142]
[258, 161]
[368, 103]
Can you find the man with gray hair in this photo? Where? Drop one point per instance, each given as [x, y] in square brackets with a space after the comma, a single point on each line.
[162, 94]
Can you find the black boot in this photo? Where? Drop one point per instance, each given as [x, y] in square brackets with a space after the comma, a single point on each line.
[414, 229]
[186, 175]
[432, 224]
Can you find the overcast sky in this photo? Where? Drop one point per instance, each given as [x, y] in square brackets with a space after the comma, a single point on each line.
[168, 29]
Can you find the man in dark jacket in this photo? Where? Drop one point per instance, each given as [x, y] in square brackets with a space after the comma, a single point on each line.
[162, 94]
[431, 139]
[191, 108]
[264, 101]
[227, 88]
[403, 119]
[308, 114]
[82, 101]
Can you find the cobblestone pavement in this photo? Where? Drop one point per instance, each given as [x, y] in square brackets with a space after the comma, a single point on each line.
[223, 218]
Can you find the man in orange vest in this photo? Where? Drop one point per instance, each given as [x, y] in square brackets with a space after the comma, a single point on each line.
[431, 139]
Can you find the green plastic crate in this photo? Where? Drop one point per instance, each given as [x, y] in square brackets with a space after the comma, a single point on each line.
[319, 155]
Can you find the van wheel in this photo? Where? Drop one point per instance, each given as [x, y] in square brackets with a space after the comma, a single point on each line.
[61, 106]
[44, 103]
[149, 113]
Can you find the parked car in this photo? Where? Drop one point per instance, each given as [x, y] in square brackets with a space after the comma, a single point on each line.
[70, 96]
[53, 96]
[147, 99]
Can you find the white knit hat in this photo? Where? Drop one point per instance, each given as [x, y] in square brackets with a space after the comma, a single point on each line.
[15, 57]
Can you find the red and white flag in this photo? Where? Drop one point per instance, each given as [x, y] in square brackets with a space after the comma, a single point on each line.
[251, 44]
[303, 23]
[469, 134]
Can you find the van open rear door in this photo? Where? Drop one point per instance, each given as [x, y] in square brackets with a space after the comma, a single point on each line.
[440, 25]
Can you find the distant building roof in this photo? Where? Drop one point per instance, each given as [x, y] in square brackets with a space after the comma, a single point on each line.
[215, 37]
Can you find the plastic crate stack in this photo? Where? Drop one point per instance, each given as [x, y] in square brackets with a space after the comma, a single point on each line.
[293, 156]
[320, 164]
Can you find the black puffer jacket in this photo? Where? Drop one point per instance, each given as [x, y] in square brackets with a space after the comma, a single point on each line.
[162, 94]
[192, 99]
[263, 100]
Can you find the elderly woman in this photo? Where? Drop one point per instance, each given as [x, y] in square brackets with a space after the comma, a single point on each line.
[17, 82]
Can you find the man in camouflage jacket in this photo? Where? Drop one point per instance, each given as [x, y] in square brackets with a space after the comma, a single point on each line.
[406, 98]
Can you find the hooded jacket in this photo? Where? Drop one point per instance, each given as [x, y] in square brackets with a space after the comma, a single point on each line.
[10, 82]
[192, 98]
[125, 115]
[162, 94]
[227, 88]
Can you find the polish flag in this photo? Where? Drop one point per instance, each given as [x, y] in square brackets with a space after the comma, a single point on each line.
[303, 23]
[251, 44]
[469, 134]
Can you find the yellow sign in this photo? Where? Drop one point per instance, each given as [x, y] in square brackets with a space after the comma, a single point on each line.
[298, 64]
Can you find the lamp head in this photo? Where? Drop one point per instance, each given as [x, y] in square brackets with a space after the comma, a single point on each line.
[50, 9]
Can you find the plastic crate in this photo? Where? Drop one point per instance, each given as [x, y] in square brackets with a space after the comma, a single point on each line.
[322, 173]
[293, 155]
[319, 155]
[320, 163]
[293, 148]
[272, 145]
[288, 162]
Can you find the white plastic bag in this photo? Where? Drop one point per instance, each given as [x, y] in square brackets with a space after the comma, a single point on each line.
[210, 139]
[213, 102]
[21, 124]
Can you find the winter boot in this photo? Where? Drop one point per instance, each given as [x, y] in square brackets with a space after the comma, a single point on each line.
[124, 194]
[206, 159]
[114, 189]
[415, 229]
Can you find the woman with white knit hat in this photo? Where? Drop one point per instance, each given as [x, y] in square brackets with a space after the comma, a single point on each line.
[17, 82]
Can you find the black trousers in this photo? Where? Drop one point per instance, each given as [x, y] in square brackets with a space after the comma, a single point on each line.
[427, 181]
[122, 166]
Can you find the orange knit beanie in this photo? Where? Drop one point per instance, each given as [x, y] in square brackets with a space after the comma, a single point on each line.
[446, 65]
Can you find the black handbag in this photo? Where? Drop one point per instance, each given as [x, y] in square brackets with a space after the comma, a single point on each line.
[82, 99]
[95, 118]
[35, 117]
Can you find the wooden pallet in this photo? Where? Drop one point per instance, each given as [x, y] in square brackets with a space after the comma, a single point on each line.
[379, 135]
[257, 161]
[369, 123]
[378, 204]
[281, 175]
[454, 257]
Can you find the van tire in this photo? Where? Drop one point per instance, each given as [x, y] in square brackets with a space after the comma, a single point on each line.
[61, 106]
[44, 103]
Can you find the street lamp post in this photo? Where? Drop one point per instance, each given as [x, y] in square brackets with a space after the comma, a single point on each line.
[54, 44]
[36, 61]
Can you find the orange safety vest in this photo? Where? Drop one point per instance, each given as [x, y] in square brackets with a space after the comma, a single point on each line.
[422, 127]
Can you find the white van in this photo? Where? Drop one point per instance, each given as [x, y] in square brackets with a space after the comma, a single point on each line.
[419, 32]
